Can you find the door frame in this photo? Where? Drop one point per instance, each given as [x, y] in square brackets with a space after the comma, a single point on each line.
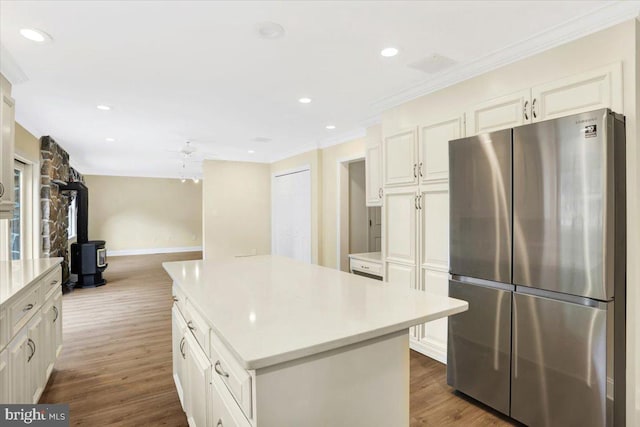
[342, 207]
[274, 175]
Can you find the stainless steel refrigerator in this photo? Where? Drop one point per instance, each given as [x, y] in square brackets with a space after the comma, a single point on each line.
[537, 248]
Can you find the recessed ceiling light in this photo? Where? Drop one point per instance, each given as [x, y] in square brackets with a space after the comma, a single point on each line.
[251, 151]
[304, 100]
[270, 30]
[103, 107]
[183, 180]
[330, 127]
[110, 139]
[196, 180]
[389, 52]
[261, 139]
[35, 35]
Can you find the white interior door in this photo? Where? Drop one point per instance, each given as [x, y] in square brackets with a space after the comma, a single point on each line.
[291, 215]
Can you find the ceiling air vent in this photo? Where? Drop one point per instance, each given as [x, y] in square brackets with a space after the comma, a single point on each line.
[433, 64]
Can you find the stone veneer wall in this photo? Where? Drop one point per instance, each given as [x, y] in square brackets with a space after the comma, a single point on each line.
[54, 166]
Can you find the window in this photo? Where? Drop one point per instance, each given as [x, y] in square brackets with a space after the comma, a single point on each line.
[72, 228]
[17, 224]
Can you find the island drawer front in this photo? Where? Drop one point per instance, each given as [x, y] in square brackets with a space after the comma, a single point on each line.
[179, 299]
[366, 267]
[198, 327]
[234, 376]
[21, 310]
[224, 409]
[51, 282]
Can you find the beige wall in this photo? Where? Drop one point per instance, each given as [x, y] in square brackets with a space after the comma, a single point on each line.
[144, 213]
[313, 160]
[358, 211]
[237, 208]
[619, 43]
[27, 145]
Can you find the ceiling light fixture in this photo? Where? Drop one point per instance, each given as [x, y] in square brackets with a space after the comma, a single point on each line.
[183, 180]
[269, 30]
[304, 100]
[110, 139]
[103, 107]
[330, 127]
[196, 180]
[251, 151]
[388, 52]
[35, 35]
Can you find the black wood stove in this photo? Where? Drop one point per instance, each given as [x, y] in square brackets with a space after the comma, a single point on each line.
[88, 257]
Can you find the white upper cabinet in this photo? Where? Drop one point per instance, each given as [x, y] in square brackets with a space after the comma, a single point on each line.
[7, 130]
[373, 169]
[499, 113]
[599, 88]
[400, 152]
[434, 149]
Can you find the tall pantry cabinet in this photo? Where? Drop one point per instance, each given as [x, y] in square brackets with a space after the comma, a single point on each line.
[7, 132]
[415, 179]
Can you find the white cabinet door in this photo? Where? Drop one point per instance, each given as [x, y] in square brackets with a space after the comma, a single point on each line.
[7, 124]
[373, 172]
[19, 352]
[199, 372]
[35, 361]
[599, 88]
[57, 325]
[434, 148]
[4, 376]
[400, 209]
[434, 226]
[48, 336]
[178, 328]
[400, 152]
[499, 113]
[403, 275]
[433, 335]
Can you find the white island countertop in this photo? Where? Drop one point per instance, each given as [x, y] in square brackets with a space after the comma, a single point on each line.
[15, 275]
[270, 309]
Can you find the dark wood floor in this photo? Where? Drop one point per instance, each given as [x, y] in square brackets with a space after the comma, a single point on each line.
[115, 367]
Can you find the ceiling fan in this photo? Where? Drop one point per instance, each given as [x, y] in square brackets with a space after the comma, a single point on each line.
[190, 152]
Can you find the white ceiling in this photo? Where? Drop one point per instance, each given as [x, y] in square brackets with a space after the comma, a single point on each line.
[177, 71]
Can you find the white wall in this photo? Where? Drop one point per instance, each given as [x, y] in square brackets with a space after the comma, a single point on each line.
[619, 43]
[236, 208]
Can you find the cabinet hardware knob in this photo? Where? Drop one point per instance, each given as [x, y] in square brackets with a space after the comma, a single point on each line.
[1, 190]
[55, 310]
[175, 299]
[524, 110]
[219, 423]
[27, 307]
[182, 348]
[420, 169]
[190, 325]
[218, 368]
[533, 108]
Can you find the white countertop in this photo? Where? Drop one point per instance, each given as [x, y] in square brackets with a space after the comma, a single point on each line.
[270, 309]
[368, 256]
[15, 275]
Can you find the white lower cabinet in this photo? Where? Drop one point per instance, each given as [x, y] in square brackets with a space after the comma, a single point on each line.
[4, 376]
[179, 348]
[52, 331]
[36, 358]
[199, 377]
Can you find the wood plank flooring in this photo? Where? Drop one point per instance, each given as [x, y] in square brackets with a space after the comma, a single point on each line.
[116, 367]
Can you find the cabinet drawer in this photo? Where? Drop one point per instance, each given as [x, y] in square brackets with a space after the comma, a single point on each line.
[366, 267]
[23, 309]
[224, 410]
[51, 282]
[235, 377]
[179, 299]
[198, 327]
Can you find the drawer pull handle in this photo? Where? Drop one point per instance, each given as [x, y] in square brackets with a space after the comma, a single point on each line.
[364, 267]
[219, 370]
[27, 307]
[420, 169]
[219, 423]
[33, 349]
[55, 310]
[175, 299]
[184, 356]
[53, 283]
[190, 325]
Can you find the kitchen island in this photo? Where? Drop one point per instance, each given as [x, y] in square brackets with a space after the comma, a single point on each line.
[268, 341]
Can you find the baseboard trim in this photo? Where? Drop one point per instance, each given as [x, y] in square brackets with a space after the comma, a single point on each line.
[151, 251]
[432, 351]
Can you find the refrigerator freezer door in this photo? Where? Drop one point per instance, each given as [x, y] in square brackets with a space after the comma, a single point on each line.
[479, 345]
[480, 206]
[563, 205]
[559, 372]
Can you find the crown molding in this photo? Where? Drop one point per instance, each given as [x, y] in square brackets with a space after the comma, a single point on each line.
[350, 135]
[10, 68]
[292, 153]
[608, 15]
